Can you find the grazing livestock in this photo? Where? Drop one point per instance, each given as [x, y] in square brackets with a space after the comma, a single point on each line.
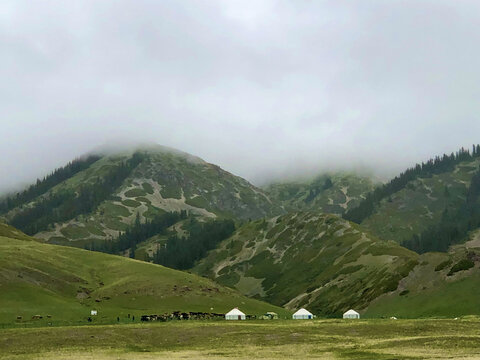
[177, 315]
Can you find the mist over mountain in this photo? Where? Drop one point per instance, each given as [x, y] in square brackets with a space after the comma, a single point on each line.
[264, 89]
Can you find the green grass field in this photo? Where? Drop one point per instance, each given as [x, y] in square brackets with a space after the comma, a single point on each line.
[277, 339]
[63, 284]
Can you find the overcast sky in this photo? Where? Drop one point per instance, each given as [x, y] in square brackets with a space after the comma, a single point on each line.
[261, 88]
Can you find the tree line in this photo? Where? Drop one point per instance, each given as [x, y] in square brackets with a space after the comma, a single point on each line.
[67, 204]
[454, 226]
[433, 166]
[179, 252]
[182, 252]
[139, 232]
[317, 189]
[43, 185]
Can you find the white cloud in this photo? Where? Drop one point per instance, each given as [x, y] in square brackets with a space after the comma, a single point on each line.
[262, 88]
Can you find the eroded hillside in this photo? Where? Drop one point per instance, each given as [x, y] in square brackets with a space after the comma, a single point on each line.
[99, 202]
[314, 260]
[330, 193]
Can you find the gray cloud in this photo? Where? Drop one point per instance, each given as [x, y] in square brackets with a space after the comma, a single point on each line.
[262, 88]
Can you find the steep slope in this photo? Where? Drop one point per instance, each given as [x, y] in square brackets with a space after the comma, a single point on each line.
[101, 200]
[421, 203]
[315, 260]
[442, 284]
[330, 193]
[65, 283]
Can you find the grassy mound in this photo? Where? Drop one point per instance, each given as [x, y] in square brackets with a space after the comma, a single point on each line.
[63, 284]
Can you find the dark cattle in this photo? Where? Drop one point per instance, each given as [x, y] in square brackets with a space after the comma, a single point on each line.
[177, 315]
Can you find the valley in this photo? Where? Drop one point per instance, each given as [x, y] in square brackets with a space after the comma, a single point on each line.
[287, 244]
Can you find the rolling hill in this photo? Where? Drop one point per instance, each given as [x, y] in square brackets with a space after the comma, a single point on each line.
[65, 283]
[96, 198]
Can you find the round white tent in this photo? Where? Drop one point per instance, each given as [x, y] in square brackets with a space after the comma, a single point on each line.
[351, 314]
[302, 314]
[235, 314]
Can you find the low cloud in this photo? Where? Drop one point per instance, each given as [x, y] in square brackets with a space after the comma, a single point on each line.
[265, 89]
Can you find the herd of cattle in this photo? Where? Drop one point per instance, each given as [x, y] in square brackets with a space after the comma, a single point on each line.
[178, 315]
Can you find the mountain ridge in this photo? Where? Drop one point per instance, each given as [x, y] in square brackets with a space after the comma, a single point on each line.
[148, 182]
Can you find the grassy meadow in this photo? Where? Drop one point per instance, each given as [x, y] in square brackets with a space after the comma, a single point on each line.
[62, 284]
[277, 339]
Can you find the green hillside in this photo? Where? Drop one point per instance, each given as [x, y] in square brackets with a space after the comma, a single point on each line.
[329, 193]
[7, 231]
[441, 285]
[421, 202]
[312, 260]
[65, 283]
[99, 201]
[330, 265]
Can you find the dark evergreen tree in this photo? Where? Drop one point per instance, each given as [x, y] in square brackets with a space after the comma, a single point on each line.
[48, 182]
[433, 166]
[454, 225]
[182, 252]
[67, 204]
[328, 184]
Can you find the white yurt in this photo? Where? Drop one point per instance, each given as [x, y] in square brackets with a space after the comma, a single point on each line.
[302, 314]
[351, 314]
[235, 314]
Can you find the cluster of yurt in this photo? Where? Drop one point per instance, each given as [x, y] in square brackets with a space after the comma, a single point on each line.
[302, 314]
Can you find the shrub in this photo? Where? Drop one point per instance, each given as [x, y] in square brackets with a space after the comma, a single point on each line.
[443, 265]
[462, 265]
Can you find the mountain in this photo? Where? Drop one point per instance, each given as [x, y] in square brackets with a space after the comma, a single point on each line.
[329, 265]
[96, 197]
[421, 203]
[413, 208]
[308, 259]
[329, 193]
[65, 283]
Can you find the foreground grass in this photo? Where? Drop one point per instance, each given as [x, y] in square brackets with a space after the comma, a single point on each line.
[319, 339]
